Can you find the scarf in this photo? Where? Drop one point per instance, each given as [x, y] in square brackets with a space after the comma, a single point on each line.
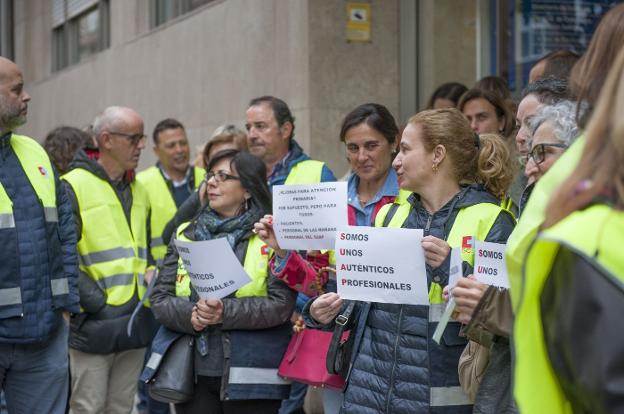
[209, 225]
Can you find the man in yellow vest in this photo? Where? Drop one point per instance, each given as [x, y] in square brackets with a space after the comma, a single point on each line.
[112, 215]
[270, 137]
[171, 181]
[39, 265]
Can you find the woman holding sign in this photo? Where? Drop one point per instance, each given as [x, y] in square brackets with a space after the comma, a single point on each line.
[239, 339]
[457, 180]
[370, 135]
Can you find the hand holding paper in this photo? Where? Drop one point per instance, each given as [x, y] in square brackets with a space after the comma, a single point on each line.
[467, 295]
[264, 230]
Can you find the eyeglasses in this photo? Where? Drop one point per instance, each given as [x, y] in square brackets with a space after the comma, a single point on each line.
[134, 139]
[538, 153]
[220, 176]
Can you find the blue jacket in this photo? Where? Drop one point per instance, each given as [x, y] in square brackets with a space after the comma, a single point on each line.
[41, 251]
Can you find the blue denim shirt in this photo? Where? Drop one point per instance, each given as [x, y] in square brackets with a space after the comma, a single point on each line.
[364, 214]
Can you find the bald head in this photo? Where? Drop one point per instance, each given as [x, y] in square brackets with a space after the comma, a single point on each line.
[119, 132]
[13, 98]
[115, 118]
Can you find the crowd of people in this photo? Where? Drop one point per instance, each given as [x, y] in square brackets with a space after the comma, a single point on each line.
[93, 290]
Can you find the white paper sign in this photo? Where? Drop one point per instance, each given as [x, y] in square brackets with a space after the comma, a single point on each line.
[212, 266]
[379, 264]
[305, 217]
[489, 265]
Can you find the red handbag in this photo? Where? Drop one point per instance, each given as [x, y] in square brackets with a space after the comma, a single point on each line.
[305, 358]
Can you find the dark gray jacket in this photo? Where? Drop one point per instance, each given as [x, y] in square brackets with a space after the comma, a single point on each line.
[255, 330]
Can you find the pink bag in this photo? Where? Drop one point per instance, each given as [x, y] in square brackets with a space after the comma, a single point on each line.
[304, 360]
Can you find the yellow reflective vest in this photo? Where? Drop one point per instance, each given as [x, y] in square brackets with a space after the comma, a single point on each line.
[305, 172]
[596, 232]
[471, 222]
[162, 205]
[112, 253]
[533, 216]
[38, 169]
[256, 264]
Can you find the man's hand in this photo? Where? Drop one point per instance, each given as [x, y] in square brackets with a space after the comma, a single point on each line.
[149, 273]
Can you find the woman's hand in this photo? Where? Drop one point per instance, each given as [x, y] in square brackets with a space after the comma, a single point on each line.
[436, 250]
[207, 312]
[326, 307]
[264, 230]
[467, 294]
[199, 324]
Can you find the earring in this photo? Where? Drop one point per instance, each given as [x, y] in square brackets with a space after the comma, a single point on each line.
[247, 204]
[434, 167]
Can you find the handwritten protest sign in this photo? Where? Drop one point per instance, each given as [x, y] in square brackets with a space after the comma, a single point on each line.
[213, 269]
[489, 265]
[305, 217]
[381, 265]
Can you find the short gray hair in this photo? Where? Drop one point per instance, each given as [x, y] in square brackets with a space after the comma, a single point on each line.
[111, 119]
[562, 117]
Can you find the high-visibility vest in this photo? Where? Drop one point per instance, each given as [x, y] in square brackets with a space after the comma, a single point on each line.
[474, 221]
[112, 253]
[533, 215]
[162, 205]
[596, 232]
[38, 168]
[305, 172]
[471, 222]
[256, 264]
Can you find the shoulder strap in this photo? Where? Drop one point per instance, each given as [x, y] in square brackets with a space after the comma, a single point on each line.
[391, 212]
[342, 321]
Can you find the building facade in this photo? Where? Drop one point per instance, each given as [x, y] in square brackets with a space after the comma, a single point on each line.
[201, 61]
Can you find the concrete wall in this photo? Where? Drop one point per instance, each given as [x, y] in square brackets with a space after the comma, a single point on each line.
[446, 44]
[203, 67]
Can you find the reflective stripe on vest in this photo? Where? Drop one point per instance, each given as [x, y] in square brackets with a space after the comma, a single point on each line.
[256, 265]
[473, 221]
[112, 253]
[249, 375]
[162, 205]
[10, 296]
[305, 172]
[7, 221]
[447, 396]
[38, 169]
[596, 229]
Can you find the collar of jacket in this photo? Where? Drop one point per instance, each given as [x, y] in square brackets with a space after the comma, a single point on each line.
[90, 163]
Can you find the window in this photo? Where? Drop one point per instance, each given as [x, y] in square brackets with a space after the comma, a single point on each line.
[6, 28]
[80, 29]
[165, 10]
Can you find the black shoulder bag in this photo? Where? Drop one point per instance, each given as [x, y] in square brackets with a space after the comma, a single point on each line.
[340, 347]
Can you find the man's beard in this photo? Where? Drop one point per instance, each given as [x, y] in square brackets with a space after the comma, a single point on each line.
[10, 117]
